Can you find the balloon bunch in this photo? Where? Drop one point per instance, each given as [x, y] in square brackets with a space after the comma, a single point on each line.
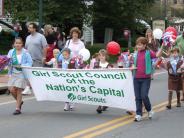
[169, 36]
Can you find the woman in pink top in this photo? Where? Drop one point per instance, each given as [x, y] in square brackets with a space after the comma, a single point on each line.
[142, 76]
[75, 44]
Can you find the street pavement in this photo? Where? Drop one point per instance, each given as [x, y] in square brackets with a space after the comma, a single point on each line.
[48, 120]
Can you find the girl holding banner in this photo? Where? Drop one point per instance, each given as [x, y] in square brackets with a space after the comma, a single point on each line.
[142, 76]
[18, 57]
[103, 64]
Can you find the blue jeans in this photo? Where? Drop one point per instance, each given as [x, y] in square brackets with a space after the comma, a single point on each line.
[141, 88]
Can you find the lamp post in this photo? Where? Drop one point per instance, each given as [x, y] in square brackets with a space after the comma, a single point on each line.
[40, 14]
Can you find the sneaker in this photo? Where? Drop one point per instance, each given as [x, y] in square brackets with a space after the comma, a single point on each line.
[99, 109]
[72, 106]
[138, 118]
[66, 107]
[168, 107]
[150, 114]
[27, 91]
[104, 108]
[17, 112]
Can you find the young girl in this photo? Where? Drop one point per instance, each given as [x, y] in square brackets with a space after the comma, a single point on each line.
[53, 61]
[94, 61]
[174, 79]
[103, 64]
[18, 57]
[142, 76]
[66, 62]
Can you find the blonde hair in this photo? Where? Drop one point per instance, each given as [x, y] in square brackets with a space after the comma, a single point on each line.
[56, 52]
[48, 29]
[103, 52]
[76, 30]
[148, 31]
[175, 49]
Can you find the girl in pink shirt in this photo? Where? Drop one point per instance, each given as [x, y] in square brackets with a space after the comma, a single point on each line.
[142, 76]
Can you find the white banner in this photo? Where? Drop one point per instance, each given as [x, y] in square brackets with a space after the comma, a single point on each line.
[1, 7]
[110, 87]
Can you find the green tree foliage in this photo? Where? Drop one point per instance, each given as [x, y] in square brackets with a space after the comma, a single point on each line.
[56, 12]
[118, 14]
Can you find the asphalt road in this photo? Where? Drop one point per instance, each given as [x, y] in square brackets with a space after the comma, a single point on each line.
[48, 120]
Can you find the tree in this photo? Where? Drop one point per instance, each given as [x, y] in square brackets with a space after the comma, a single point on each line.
[118, 14]
[66, 13]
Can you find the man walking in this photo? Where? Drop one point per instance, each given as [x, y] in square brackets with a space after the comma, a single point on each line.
[36, 45]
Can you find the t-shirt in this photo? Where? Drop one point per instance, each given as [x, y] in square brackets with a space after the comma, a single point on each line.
[180, 44]
[19, 58]
[141, 64]
[75, 47]
[35, 44]
[103, 65]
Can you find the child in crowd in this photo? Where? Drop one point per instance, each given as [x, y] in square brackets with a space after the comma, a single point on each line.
[124, 60]
[174, 79]
[18, 57]
[66, 62]
[182, 79]
[103, 64]
[53, 61]
[142, 76]
[94, 61]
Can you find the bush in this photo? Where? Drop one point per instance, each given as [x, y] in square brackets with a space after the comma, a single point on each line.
[6, 39]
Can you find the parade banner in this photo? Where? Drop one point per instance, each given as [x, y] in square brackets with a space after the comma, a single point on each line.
[108, 87]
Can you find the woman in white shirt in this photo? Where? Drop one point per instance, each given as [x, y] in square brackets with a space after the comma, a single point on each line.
[75, 44]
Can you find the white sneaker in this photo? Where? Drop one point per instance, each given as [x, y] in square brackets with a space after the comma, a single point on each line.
[66, 107]
[27, 91]
[72, 106]
[150, 114]
[138, 118]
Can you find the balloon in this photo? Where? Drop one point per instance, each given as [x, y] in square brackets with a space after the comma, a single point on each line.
[172, 30]
[113, 48]
[1, 28]
[157, 33]
[85, 54]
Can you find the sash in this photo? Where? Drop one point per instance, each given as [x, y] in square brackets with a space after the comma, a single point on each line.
[15, 60]
[147, 61]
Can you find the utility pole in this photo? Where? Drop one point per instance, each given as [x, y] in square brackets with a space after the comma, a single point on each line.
[165, 8]
[40, 14]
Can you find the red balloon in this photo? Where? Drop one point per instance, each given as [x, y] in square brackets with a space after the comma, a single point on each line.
[171, 29]
[113, 48]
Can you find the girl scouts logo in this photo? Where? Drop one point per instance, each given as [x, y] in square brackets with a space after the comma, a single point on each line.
[71, 97]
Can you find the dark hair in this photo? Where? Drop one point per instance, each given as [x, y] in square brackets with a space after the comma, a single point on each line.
[19, 38]
[35, 26]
